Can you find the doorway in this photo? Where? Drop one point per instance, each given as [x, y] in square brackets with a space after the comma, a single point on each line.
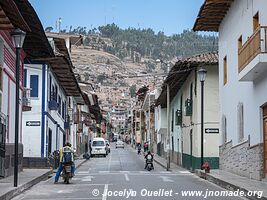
[49, 141]
[172, 149]
[2, 148]
[265, 139]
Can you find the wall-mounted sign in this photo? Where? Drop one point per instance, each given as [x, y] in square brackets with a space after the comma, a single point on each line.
[33, 123]
[212, 130]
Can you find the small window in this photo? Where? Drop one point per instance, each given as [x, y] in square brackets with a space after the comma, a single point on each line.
[256, 23]
[0, 103]
[240, 121]
[224, 129]
[63, 110]
[240, 42]
[56, 94]
[172, 125]
[59, 104]
[34, 83]
[1, 78]
[225, 70]
[50, 88]
[25, 78]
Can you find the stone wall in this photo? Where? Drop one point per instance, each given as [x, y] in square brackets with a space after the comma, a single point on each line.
[242, 159]
[9, 159]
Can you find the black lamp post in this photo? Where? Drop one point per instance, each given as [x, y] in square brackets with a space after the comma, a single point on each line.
[202, 76]
[18, 37]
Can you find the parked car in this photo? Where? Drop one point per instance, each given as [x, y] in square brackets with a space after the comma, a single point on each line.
[107, 146]
[119, 144]
[98, 146]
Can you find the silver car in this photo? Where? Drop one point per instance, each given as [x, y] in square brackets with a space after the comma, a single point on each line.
[119, 144]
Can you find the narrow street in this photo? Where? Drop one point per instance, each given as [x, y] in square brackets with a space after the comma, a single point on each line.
[122, 170]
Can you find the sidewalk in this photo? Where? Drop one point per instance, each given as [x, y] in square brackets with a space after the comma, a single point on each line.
[234, 182]
[26, 179]
[223, 179]
[163, 162]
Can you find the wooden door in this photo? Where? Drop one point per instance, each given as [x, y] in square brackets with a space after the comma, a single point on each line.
[265, 146]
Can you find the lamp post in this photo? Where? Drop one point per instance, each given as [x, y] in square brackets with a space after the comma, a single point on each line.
[202, 76]
[18, 37]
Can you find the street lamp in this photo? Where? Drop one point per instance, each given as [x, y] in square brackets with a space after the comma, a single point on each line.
[202, 77]
[18, 37]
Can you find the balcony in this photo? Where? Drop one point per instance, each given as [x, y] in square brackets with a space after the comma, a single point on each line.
[252, 56]
[26, 100]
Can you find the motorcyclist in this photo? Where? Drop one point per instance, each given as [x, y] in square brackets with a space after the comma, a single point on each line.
[138, 148]
[149, 158]
[65, 148]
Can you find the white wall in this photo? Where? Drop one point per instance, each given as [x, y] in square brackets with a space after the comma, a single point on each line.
[32, 134]
[239, 21]
[211, 114]
[176, 133]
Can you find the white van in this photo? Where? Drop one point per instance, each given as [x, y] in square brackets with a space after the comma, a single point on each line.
[98, 146]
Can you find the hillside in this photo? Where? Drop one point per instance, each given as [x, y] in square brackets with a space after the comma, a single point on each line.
[113, 60]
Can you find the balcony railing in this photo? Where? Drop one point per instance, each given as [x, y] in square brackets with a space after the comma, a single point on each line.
[26, 100]
[255, 45]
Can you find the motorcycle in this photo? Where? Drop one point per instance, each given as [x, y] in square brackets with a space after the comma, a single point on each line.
[139, 151]
[149, 164]
[66, 173]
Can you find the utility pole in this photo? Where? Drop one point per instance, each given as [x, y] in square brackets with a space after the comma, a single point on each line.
[150, 143]
[168, 127]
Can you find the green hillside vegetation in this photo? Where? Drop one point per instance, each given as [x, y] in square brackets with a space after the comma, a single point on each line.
[145, 43]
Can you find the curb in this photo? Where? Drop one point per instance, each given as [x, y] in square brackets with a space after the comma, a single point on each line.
[16, 191]
[81, 163]
[162, 165]
[225, 185]
[22, 188]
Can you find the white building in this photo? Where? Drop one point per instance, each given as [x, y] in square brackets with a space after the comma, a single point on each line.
[55, 117]
[242, 68]
[185, 112]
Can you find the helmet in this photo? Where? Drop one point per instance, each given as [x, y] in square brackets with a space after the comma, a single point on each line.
[68, 144]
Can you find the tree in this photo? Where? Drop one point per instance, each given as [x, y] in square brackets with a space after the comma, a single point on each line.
[49, 29]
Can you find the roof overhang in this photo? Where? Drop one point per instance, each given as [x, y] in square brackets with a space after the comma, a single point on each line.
[10, 17]
[211, 14]
[179, 73]
[36, 44]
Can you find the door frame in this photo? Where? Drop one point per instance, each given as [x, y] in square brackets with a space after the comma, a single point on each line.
[264, 120]
[191, 149]
[264, 147]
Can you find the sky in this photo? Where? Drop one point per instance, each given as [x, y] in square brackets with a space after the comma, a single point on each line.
[169, 16]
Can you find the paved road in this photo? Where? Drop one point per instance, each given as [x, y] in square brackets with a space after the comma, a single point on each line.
[121, 174]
